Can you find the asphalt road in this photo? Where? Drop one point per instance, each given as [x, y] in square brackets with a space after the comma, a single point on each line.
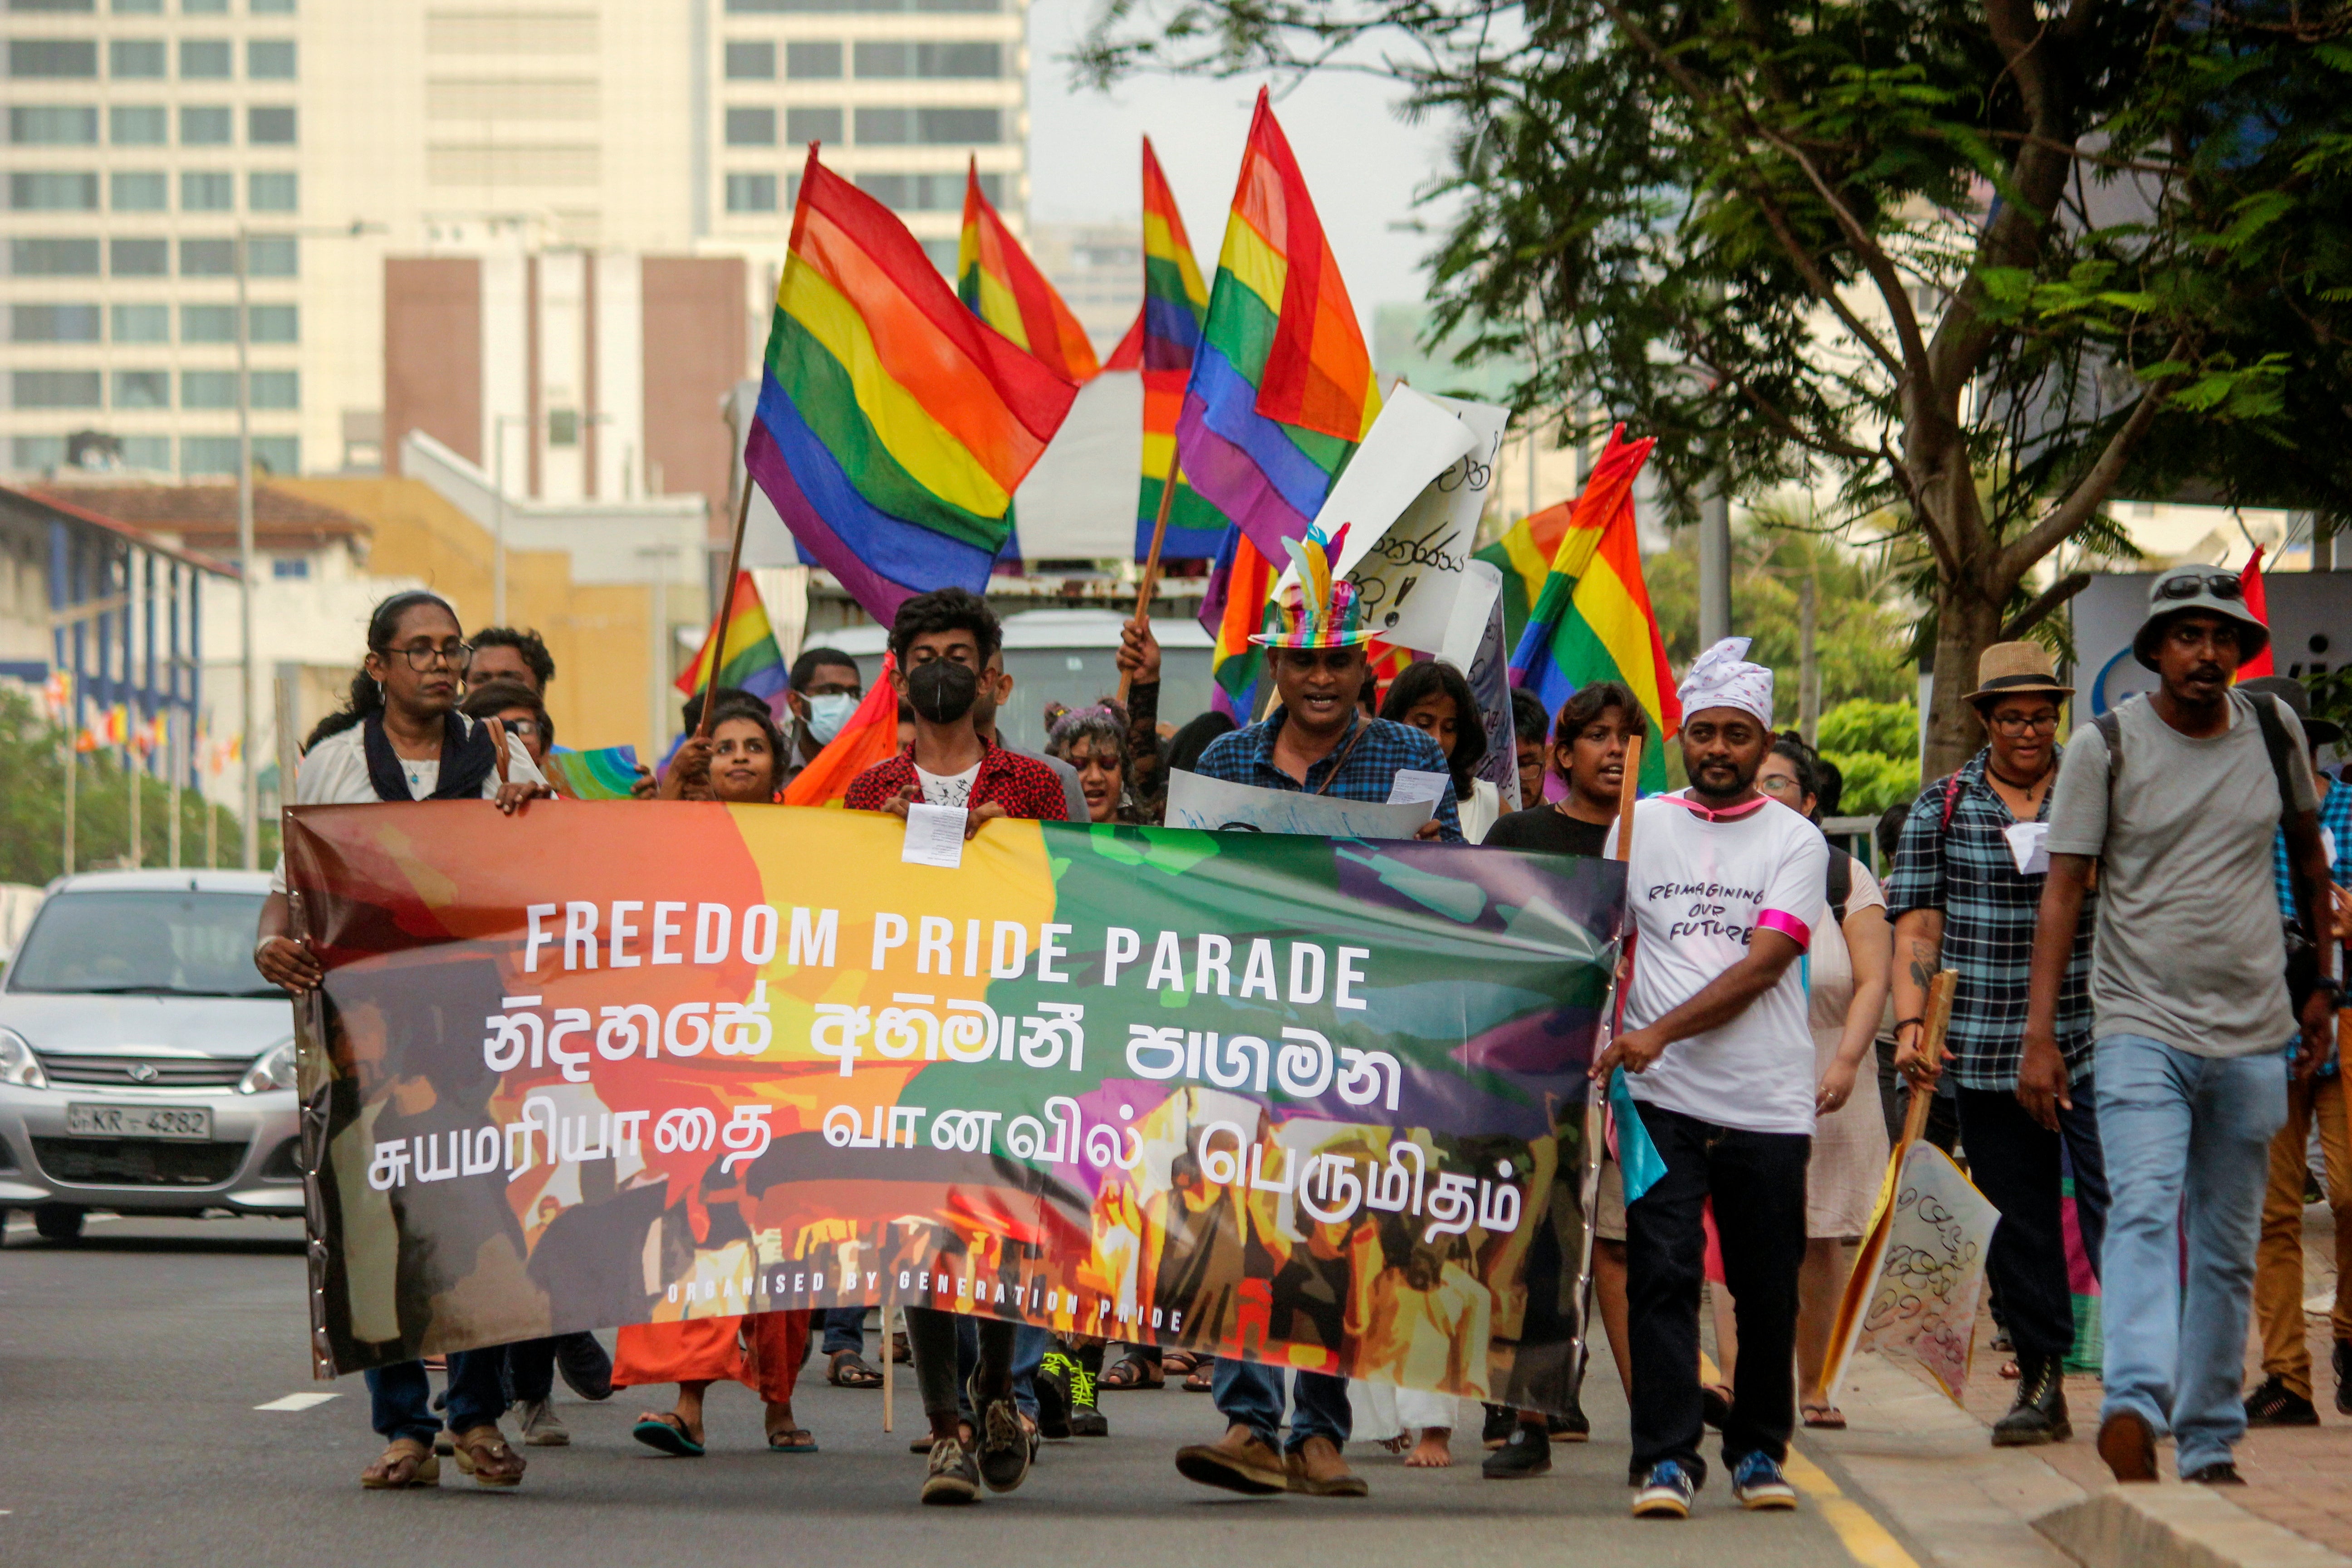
[132, 1364]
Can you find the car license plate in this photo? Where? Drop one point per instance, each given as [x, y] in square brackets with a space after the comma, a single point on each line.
[194, 1122]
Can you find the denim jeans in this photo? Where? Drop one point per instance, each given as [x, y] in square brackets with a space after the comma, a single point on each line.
[400, 1399]
[844, 1330]
[1249, 1394]
[2013, 1160]
[2187, 1139]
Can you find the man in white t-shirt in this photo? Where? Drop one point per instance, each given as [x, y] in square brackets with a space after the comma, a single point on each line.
[1718, 887]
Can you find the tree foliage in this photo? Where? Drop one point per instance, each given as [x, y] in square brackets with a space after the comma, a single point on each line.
[32, 796]
[1978, 263]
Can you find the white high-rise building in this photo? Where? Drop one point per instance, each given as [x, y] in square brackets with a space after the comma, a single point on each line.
[142, 136]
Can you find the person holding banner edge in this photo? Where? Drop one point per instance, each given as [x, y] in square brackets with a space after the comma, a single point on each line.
[1721, 1064]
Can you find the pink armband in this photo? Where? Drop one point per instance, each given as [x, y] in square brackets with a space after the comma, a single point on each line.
[1788, 925]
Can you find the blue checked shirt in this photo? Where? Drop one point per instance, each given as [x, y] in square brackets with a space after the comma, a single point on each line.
[2335, 834]
[1988, 907]
[1362, 766]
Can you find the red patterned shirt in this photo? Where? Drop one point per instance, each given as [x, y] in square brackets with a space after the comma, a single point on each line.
[1024, 786]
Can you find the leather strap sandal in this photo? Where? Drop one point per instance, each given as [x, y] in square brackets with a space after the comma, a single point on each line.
[406, 1462]
[482, 1453]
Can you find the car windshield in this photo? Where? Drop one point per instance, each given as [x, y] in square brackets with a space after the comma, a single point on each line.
[159, 942]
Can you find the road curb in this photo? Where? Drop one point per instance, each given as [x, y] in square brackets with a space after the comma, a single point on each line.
[2176, 1527]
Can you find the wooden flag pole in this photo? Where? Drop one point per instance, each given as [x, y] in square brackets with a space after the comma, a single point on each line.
[1150, 583]
[718, 625]
[889, 1351]
[1596, 1097]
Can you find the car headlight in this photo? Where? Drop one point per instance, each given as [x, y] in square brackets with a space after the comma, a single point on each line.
[18, 1065]
[273, 1068]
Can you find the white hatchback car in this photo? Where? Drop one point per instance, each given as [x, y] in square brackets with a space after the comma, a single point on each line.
[145, 1066]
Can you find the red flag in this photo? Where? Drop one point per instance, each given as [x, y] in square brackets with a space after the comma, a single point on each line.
[2249, 582]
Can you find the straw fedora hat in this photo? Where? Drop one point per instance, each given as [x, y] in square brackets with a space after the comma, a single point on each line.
[2009, 669]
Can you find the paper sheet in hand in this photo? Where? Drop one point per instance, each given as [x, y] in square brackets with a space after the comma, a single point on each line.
[2029, 846]
[1412, 785]
[934, 835]
[1194, 800]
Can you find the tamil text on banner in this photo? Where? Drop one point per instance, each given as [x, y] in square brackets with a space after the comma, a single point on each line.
[1287, 1097]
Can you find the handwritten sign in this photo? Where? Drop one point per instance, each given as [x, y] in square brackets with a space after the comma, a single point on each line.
[1411, 574]
[1929, 1272]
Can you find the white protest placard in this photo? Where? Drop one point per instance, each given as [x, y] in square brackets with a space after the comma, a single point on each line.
[1473, 645]
[1194, 800]
[1413, 441]
[1408, 576]
[1928, 1270]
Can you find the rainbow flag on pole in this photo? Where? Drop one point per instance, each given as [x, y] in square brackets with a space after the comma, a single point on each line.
[1282, 387]
[996, 279]
[1524, 557]
[1236, 666]
[894, 426]
[1593, 619]
[1175, 304]
[754, 663]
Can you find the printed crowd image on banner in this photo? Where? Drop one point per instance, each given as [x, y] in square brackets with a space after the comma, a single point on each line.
[1305, 1101]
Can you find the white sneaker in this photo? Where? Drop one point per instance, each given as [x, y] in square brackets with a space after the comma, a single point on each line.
[540, 1428]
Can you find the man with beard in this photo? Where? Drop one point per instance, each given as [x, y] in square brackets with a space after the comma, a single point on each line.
[1722, 1063]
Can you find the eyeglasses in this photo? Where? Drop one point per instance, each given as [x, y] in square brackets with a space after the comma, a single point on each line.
[2028, 724]
[2219, 584]
[1780, 785]
[421, 657]
[526, 728]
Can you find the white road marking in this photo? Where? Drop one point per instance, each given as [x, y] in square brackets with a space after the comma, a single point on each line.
[297, 1402]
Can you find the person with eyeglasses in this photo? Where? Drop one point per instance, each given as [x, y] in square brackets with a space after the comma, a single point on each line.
[1965, 892]
[401, 737]
[2174, 798]
[517, 707]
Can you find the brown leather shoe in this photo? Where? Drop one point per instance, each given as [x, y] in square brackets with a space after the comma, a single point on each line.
[1238, 1462]
[2127, 1444]
[1316, 1469]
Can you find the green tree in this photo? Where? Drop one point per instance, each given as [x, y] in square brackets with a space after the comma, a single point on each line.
[32, 807]
[1876, 746]
[1975, 262]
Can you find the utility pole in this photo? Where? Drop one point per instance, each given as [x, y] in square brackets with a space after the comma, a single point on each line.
[251, 857]
[1809, 664]
[1714, 564]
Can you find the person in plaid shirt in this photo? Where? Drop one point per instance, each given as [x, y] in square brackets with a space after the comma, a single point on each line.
[1960, 903]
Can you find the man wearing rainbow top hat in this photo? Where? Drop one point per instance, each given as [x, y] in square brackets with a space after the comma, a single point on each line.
[1318, 740]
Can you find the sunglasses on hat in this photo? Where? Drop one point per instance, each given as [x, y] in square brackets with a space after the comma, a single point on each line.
[2191, 585]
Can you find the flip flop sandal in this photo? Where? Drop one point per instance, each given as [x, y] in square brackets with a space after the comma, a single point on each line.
[667, 1435]
[901, 1355]
[798, 1440]
[1200, 1379]
[482, 1453]
[1132, 1371]
[1176, 1363]
[847, 1369]
[1825, 1417]
[405, 1463]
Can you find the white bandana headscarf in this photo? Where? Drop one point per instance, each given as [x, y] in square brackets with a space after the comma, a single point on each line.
[1722, 677]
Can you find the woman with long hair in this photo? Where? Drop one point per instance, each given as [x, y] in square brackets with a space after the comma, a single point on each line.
[1094, 742]
[741, 760]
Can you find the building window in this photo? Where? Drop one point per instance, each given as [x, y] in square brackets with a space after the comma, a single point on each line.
[277, 323]
[207, 324]
[278, 454]
[205, 455]
[54, 388]
[53, 324]
[958, 127]
[136, 192]
[751, 61]
[142, 389]
[750, 128]
[805, 125]
[271, 7]
[271, 191]
[138, 7]
[80, 8]
[811, 62]
[53, 191]
[269, 125]
[207, 193]
[208, 389]
[289, 566]
[37, 451]
[955, 61]
[885, 127]
[564, 426]
[750, 193]
[53, 257]
[53, 125]
[151, 453]
[142, 323]
[271, 254]
[278, 389]
[205, 60]
[833, 8]
[138, 257]
[127, 57]
[269, 60]
[53, 58]
[206, 257]
[925, 192]
[138, 124]
[207, 125]
[205, 8]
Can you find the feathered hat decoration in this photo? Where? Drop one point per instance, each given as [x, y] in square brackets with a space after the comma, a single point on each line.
[1318, 610]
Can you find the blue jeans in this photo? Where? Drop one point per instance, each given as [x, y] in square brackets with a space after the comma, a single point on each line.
[1249, 1394]
[844, 1330]
[400, 1399]
[2186, 1138]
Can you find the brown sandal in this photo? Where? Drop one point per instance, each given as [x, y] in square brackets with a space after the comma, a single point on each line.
[1133, 1372]
[405, 1463]
[1200, 1378]
[482, 1453]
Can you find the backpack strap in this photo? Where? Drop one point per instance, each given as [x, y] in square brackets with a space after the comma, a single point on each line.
[2275, 741]
[1951, 801]
[1840, 882]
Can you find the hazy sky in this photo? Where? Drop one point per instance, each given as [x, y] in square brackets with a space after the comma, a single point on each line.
[1361, 162]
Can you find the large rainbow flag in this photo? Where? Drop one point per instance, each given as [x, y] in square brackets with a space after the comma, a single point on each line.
[1523, 557]
[894, 426]
[753, 662]
[1282, 387]
[1593, 619]
[1236, 665]
[1167, 330]
[996, 278]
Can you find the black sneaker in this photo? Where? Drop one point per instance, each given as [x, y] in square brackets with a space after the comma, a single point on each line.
[1005, 1446]
[2219, 1473]
[1052, 1381]
[952, 1478]
[2275, 1405]
[1501, 1422]
[2344, 1377]
[586, 1369]
[1086, 1419]
[1525, 1452]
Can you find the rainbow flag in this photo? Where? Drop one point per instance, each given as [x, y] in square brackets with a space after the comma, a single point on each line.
[870, 735]
[1592, 619]
[1236, 665]
[1523, 557]
[1282, 387]
[609, 773]
[753, 663]
[995, 279]
[1167, 332]
[892, 425]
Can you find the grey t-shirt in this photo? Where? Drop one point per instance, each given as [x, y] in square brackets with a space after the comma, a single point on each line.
[2188, 949]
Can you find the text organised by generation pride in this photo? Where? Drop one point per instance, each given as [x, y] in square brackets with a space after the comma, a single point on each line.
[628, 933]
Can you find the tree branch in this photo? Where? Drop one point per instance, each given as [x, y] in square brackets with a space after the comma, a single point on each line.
[2089, 492]
[2049, 599]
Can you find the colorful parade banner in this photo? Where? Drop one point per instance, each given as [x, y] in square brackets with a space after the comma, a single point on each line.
[1307, 1100]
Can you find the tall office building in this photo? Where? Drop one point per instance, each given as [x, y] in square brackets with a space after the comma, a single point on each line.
[142, 135]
